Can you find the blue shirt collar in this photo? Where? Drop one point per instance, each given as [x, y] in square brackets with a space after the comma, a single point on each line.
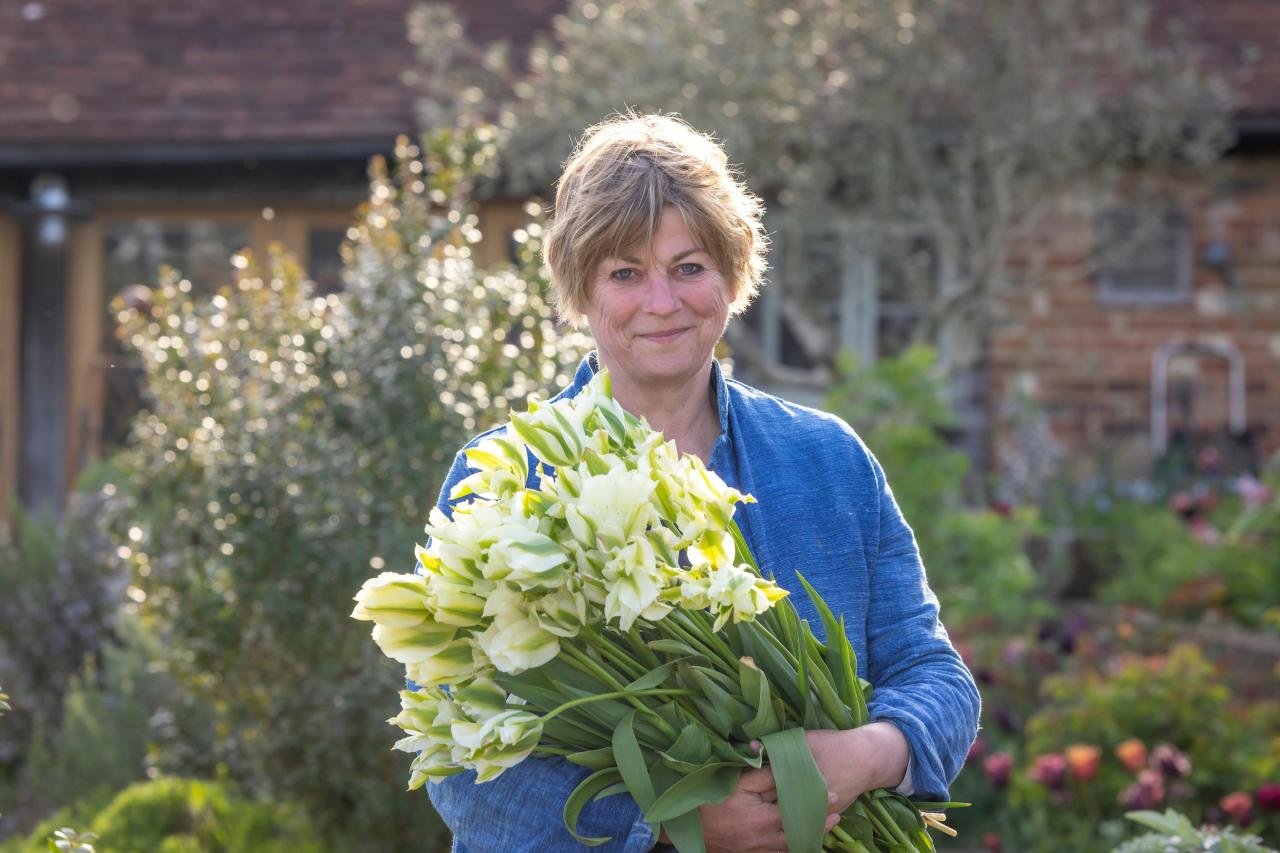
[591, 365]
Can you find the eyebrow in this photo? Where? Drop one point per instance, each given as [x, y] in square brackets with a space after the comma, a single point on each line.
[679, 257]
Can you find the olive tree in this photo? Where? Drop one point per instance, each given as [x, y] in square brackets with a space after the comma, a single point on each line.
[932, 143]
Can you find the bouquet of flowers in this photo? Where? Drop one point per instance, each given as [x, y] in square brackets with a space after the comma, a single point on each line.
[584, 524]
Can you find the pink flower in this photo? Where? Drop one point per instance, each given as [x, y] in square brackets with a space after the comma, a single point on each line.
[1268, 797]
[1204, 532]
[992, 842]
[1049, 770]
[997, 767]
[1146, 793]
[1168, 760]
[976, 751]
[1238, 805]
[1253, 491]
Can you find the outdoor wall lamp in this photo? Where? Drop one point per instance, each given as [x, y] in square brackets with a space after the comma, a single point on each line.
[52, 209]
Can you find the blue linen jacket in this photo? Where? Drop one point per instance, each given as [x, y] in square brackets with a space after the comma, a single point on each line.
[825, 509]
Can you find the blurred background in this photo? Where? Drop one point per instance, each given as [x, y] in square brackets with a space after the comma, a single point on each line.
[265, 267]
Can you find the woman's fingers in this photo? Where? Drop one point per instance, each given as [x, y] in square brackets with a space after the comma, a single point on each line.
[757, 781]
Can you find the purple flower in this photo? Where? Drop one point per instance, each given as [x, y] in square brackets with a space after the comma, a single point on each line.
[1146, 793]
[1168, 760]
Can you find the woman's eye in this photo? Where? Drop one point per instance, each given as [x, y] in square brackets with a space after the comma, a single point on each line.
[689, 269]
[624, 274]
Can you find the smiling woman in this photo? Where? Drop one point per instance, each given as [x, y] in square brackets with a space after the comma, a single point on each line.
[655, 245]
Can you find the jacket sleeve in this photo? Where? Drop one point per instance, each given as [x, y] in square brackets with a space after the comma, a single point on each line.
[920, 683]
[522, 809]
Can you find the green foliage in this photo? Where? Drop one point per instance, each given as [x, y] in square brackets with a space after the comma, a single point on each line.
[1174, 833]
[1178, 700]
[59, 606]
[292, 446]
[174, 814]
[102, 739]
[1206, 548]
[976, 558]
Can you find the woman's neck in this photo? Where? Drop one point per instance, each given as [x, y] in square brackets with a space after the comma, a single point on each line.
[683, 412]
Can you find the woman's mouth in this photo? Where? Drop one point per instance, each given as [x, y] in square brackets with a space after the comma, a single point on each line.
[663, 337]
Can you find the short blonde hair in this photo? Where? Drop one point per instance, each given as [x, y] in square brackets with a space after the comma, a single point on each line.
[624, 172]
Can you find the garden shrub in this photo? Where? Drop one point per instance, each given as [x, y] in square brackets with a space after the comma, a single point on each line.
[292, 446]
[59, 606]
[103, 736]
[1212, 545]
[1174, 833]
[1145, 732]
[174, 814]
[975, 556]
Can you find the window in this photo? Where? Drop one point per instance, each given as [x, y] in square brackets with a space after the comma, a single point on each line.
[324, 258]
[133, 251]
[1143, 257]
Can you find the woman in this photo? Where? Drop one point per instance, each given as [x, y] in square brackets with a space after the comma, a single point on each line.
[655, 245]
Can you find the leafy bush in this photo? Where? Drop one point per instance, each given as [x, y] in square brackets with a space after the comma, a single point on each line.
[1144, 732]
[114, 713]
[171, 814]
[1174, 833]
[976, 557]
[1213, 545]
[59, 606]
[293, 445]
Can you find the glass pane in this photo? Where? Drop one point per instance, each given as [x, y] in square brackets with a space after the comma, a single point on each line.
[133, 253]
[324, 258]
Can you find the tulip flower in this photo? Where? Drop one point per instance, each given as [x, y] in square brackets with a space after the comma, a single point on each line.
[401, 601]
[1268, 797]
[1132, 754]
[1083, 760]
[1146, 793]
[998, 767]
[1049, 770]
[1238, 805]
[1170, 761]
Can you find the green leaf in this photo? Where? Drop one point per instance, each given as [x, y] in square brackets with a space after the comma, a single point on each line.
[756, 686]
[631, 763]
[583, 794]
[615, 788]
[1169, 823]
[712, 783]
[840, 659]
[673, 647]
[802, 790]
[693, 746]
[653, 678]
[685, 831]
[595, 759]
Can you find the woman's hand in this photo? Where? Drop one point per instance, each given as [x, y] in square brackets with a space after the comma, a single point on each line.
[748, 821]
[855, 761]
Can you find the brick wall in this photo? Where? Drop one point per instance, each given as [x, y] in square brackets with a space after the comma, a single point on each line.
[1089, 364]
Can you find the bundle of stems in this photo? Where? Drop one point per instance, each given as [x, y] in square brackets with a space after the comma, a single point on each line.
[669, 710]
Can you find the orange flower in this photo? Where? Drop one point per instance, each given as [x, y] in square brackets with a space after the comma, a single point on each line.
[1238, 805]
[1083, 759]
[1132, 754]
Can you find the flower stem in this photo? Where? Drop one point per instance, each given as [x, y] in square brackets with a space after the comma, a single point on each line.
[591, 667]
[617, 694]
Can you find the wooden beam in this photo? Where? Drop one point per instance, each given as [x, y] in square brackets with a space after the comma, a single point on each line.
[10, 263]
[86, 312]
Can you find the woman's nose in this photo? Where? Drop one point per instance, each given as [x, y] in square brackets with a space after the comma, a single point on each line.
[662, 296]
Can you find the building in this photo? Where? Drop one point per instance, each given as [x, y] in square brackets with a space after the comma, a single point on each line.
[140, 133]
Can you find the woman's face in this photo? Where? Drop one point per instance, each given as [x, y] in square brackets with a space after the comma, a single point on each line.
[657, 312]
